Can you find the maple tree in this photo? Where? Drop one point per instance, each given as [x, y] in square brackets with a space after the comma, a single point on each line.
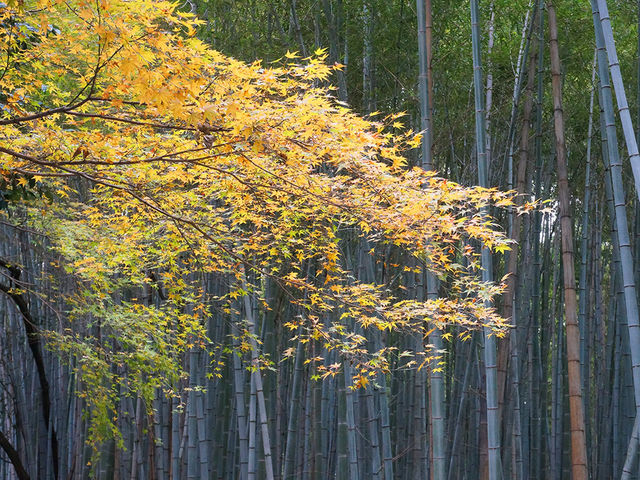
[165, 161]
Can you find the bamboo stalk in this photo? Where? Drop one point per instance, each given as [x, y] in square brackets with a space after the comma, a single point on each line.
[493, 420]
[578, 439]
[621, 99]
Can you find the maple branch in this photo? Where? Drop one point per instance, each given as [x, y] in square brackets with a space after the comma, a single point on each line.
[169, 157]
[166, 159]
[22, 229]
[91, 85]
[126, 188]
[124, 102]
[6, 67]
[53, 111]
[14, 457]
[70, 106]
[19, 155]
[304, 191]
[33, 340]
[132, 122]
[43, 174]
[36, 116]
[204, 128]
[198, 227]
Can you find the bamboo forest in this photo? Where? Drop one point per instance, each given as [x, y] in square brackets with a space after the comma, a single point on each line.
[319, 239]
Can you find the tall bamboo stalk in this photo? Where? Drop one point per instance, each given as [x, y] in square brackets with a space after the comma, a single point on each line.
[437, 410]
[368, 98]
[632, 452]
[578, 439]
[239, 383]
[583, 315]
[256, 378]
[619, 199]
[521, 173]
[252, 432]
[623, 108]
[493, 420]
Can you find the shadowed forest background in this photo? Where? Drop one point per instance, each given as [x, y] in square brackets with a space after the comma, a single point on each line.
[221, 256]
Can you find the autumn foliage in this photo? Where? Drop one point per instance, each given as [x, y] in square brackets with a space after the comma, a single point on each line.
[167, 164]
